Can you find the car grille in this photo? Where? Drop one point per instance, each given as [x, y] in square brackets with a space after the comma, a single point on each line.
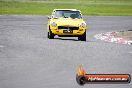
[65, 27]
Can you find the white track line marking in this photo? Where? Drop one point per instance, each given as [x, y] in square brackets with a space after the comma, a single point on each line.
[130, 52]
[110, 37]
[1, 46]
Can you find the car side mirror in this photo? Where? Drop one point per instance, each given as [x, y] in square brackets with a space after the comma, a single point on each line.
[49, 17]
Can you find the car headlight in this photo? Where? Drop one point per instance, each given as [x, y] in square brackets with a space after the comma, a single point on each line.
[53, 24]
[83, 25]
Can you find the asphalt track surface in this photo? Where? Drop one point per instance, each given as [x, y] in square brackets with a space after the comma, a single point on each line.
[28, 59]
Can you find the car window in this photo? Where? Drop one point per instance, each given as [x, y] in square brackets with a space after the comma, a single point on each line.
[67, 14]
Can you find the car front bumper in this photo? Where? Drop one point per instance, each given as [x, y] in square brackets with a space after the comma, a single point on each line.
[73, 33]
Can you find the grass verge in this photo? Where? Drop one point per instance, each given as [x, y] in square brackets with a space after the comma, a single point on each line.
[45, 7]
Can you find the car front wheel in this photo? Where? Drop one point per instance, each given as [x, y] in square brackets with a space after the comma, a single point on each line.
[50, 35]
[82, 37]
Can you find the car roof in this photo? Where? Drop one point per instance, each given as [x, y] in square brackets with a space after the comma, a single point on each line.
[67, 9]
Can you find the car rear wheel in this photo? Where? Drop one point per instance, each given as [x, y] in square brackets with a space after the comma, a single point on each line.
[50, 35]
[82, 37]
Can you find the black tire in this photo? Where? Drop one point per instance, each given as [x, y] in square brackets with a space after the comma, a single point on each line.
[82, 37]
[50, 35]
[79, 38]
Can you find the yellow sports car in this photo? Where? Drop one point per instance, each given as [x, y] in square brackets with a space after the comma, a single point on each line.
[66, 23]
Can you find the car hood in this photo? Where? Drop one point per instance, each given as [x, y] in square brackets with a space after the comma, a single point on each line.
[68, 21]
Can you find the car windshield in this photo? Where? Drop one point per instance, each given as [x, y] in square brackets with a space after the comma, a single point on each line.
[67, 14]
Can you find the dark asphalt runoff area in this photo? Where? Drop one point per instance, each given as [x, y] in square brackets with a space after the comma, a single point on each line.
[28, 59]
